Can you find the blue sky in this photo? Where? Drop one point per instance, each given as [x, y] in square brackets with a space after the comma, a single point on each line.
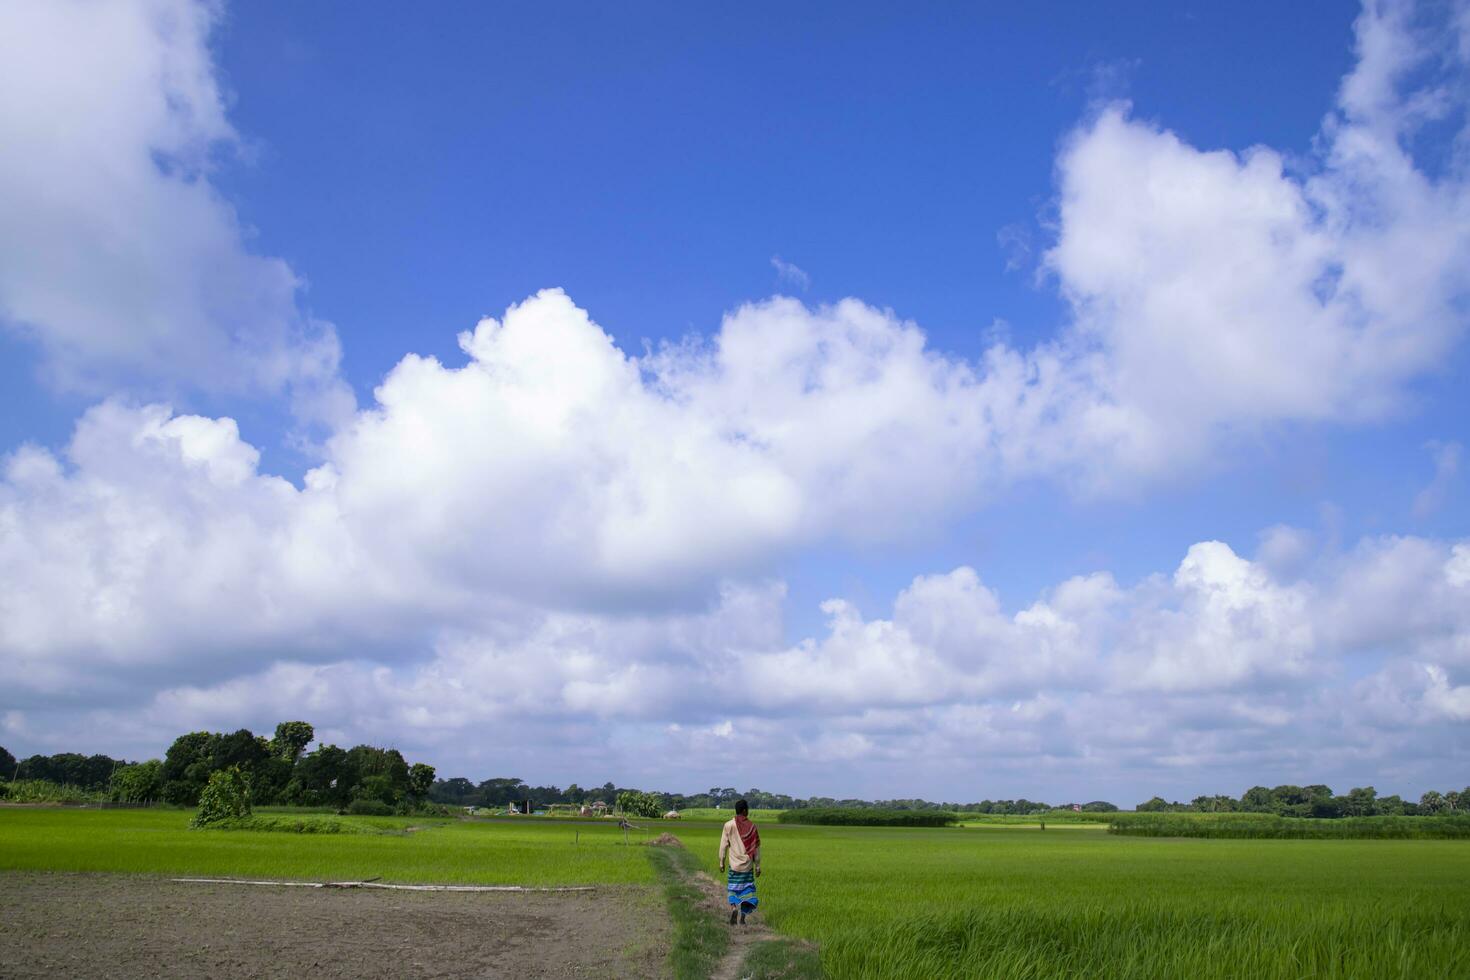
[1073, 293]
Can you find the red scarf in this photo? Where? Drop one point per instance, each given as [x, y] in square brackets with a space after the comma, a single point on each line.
[749, 836]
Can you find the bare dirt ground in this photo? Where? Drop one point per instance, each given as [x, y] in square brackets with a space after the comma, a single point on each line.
[88, 925]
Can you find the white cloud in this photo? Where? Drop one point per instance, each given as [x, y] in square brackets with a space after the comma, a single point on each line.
[1224, 292]
[118, 256]
[1457, 569]
[790, 274]
[1223, 622]
[1218, 668]
[1452, 702]
[556, 535]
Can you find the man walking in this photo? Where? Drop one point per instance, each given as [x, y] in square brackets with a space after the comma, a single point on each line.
[743, 843]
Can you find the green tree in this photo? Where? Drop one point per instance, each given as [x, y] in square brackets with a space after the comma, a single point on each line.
[139, 783]
[1361, 801]
[225, 797]
[1432, 802]
[381, 774]
[194, 757]
[1257, 799]
[500, 791]
[1284, 797]
[242, 749]
[1390, 806]
[70, 769]
[292, 738]
[455, 792]
[268, 782]
[420, 780]
[639, 804]
[7, 765]
[322, 778]
[186, 768]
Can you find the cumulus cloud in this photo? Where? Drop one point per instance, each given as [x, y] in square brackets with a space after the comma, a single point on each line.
[1440, 697]
[1222, 622]
[1225, 291]
[558, 535]
[548, 470]
[1205, 670]
[118, 256]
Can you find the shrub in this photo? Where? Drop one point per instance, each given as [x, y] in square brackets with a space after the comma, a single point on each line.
[288, 825]
[864, 816]
[226, 797]
[1031, 820]
[639, 804]
[369, 808]
[1265, 826]
[45, 791]
[424, 810]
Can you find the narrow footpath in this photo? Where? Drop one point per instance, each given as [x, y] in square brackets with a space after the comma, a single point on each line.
[742, 938]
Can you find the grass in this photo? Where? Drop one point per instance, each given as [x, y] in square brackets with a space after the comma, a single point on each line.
[1019, 902]
[700, 939]
[1070, 818]
[867, 816]
[783, 959]
[307, 823]
[1002, 901]
[1265, 827]
[723, 814]
[445, 851]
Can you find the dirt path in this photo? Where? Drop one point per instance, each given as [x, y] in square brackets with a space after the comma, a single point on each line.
[85, 925]
[742, 938]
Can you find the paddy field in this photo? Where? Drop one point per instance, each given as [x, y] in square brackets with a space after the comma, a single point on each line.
[977, 901]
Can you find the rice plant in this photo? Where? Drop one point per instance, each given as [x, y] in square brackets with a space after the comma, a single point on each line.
[863, 816]
[1260, 826]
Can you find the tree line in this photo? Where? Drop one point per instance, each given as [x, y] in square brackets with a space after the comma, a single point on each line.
[92, 772]
[276, 770]
[1317, 801]
[501, 791]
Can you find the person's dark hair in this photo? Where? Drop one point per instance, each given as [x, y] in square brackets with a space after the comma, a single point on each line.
[742, 807]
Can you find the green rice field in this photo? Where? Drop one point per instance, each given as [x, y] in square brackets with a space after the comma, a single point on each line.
[992, 901]
[528, 851]
[713, 813]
